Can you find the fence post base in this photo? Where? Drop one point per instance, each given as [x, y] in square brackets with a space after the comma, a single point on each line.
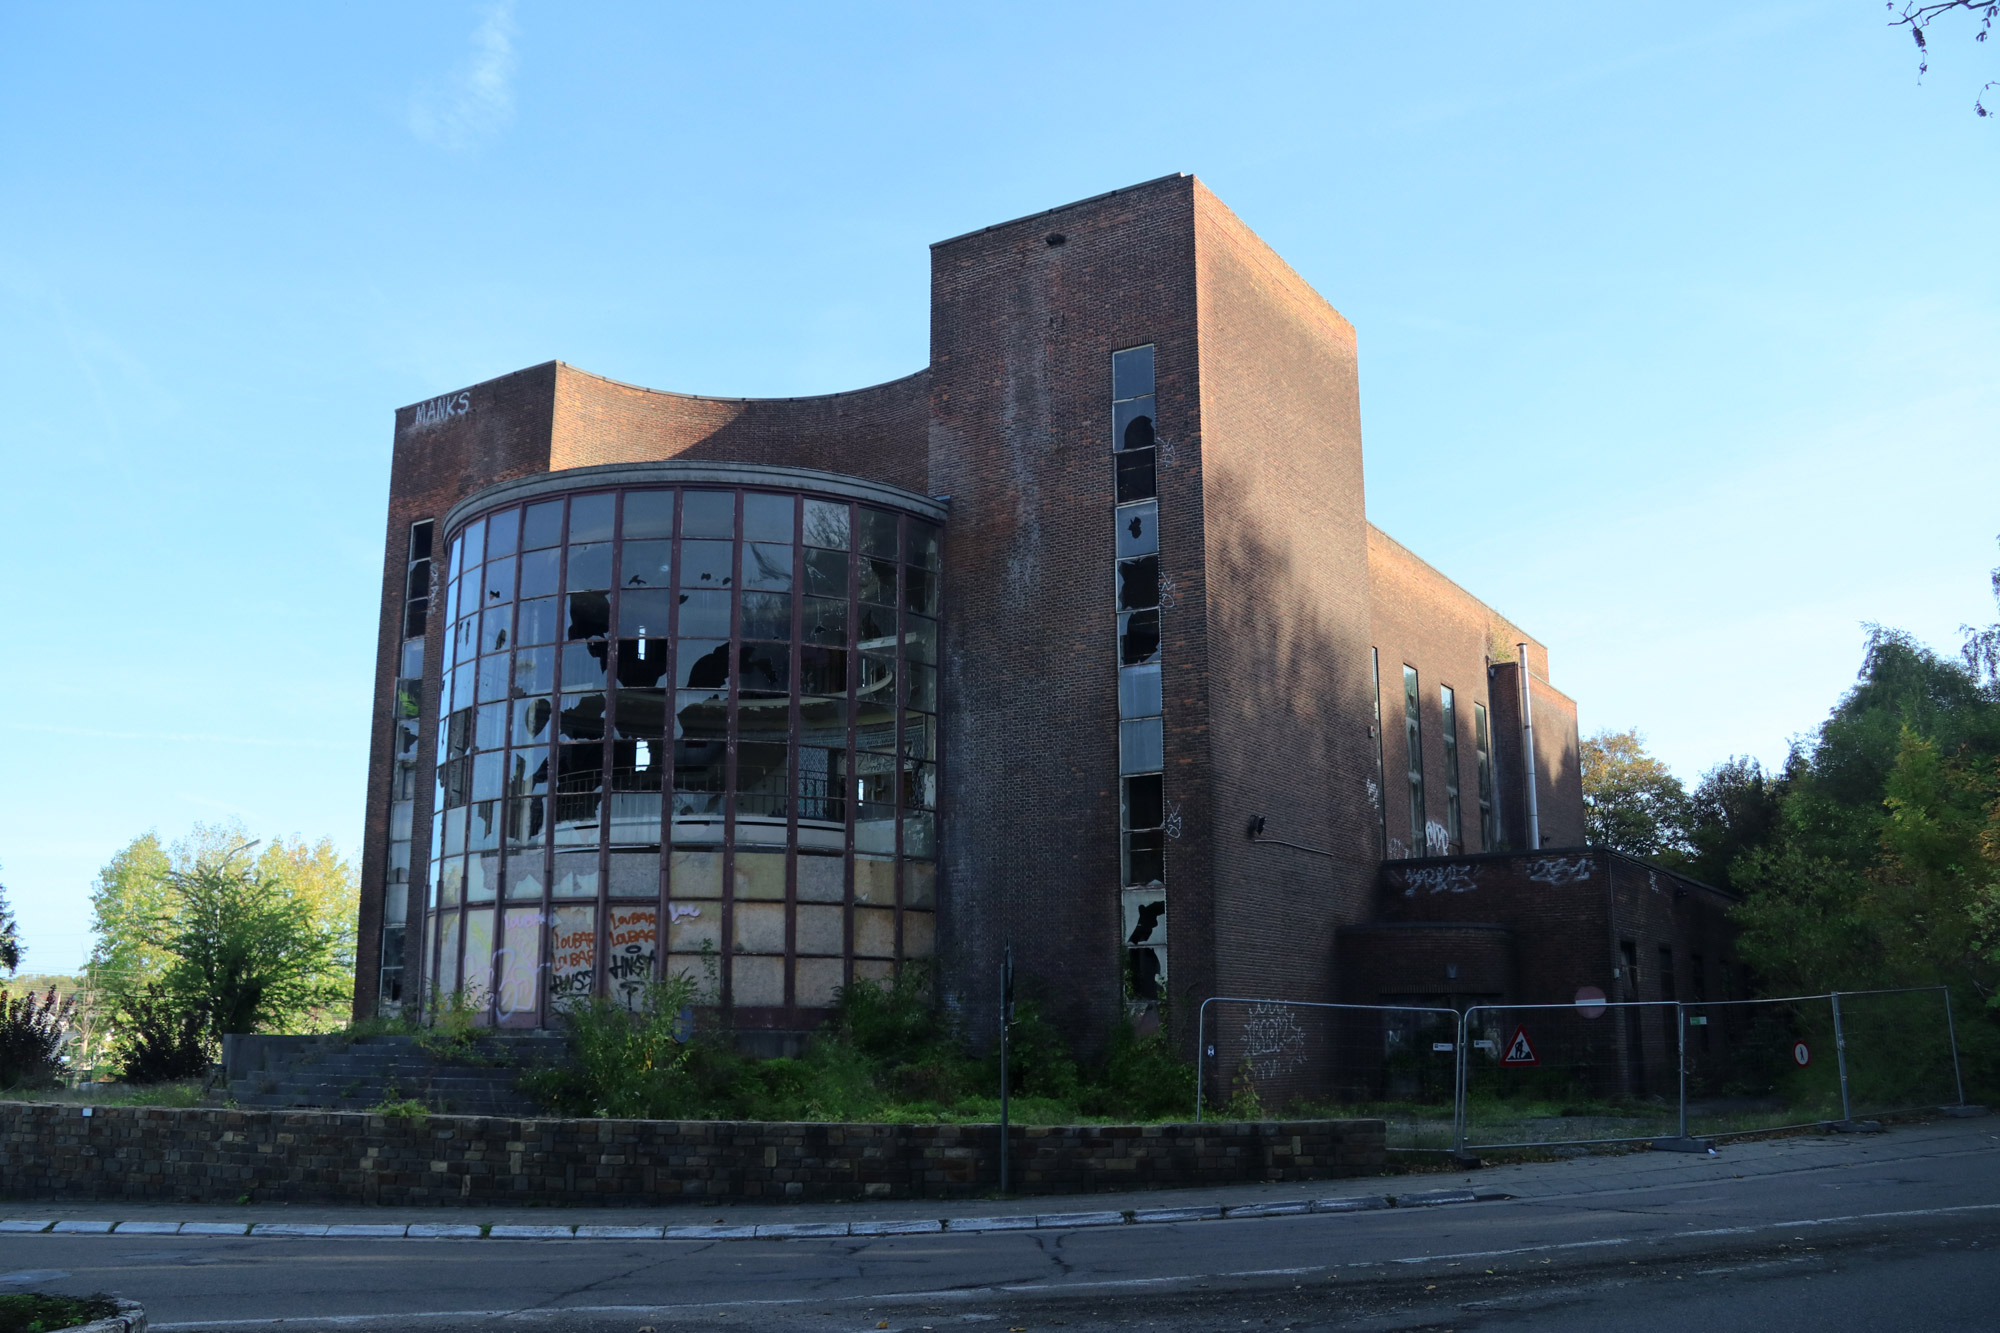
[1852, 1126]
[1964, 1111]
[1683, 1143]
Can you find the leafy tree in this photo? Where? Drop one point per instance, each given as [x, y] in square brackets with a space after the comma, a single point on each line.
[1734, 809]
[1919, 15]
[1631, 801]
[247, 952]
[10, 941]
[33, 1032]
[135, 892]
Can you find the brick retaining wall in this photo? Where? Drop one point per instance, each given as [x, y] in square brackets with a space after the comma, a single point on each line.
[218, 1156]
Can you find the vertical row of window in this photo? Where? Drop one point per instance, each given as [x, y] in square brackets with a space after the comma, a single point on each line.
[407, 711]
[1142, 806]
[1380, 790]
[1427, 837]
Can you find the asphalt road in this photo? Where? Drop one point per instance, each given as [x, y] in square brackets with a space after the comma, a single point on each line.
[1886, 1233]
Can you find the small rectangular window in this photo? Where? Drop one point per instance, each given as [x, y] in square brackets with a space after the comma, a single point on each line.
[1139, 691]
[1135, 475]
[1140, 746]
[1448, 706]
[1132, 372]
[1413, 739]
[1138, 528]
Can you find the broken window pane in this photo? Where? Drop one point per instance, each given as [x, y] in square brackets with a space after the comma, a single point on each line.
[1139, 746]
[648, 514]
[762, 767]
[826, 574]
[1146, 972]
[1132, 372]
[589, 567]
[701, 715]
[875, 777]
[452, 839]
[414, 616]
[764, 668]
[537, 621]
[767, 518]
[878, 677]
[482, 832]
[497, 581]
[1139, 691]
[1139, 583]
[702, 664]
[531, 721]
[826, 621]
[875, 829]
[582, 717]
[576, 877]
[698, 764]
[1145, 917]
[526, 819]
[920, 834]
[767, 566]
[528, 772]
[582, 665]
[458, 733]
[1138, 529]
[919, 785]
[920, 544]
[826, 525]
[538, 572]
[822, 783]
[641, 613]
[704, 615]
[878, 533]
[1132, 425]
[822, 670]
[589, 615]
[494, 628]
[646, 565]
[590, 519]
[642, 714]
[1143, 803]
[542, 525]
[635, 822]
[707, 564]
[642, 662]
[877, 628]
[767, 615]
[761, 717]
[878, 580]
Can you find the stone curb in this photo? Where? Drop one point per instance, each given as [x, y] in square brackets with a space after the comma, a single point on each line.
[131, 1318]
[761, 1231]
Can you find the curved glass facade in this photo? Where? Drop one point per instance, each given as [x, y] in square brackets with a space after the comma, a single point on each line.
[689, 728]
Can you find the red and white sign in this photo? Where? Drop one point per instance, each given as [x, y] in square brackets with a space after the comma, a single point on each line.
[1520, 1051]
[1801, 1054]
[1590, 1002]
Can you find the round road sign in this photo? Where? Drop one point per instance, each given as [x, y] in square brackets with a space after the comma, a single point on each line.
[1590, 1002]
[1801, 1054]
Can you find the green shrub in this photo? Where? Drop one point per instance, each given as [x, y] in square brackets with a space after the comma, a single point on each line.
[33, 1033]
[160, 1040]
[629, 1064]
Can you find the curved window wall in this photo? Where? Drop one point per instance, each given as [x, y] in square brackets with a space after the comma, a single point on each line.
[690, 728]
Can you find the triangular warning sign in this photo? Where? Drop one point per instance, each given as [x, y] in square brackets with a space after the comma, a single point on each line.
[1520, 1051]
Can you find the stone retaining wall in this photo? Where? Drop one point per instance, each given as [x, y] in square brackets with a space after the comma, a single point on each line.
[219, 1156]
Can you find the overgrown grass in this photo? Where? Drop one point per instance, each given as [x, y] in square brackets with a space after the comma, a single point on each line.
[885, 1056]
[39, 1312]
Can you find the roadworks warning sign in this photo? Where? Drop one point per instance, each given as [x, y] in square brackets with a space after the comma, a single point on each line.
[1520, 1051]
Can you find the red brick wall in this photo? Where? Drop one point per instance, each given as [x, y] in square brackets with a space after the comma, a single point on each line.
[1022, 334]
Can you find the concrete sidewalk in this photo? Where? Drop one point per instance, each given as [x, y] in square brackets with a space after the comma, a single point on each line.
[1578, 1177]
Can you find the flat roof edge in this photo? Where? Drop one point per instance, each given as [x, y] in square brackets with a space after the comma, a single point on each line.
[1059, 208]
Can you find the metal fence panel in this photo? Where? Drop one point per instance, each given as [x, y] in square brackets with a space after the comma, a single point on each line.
[1262, 1058]
[1901, 1055]
[1760, 1064]
[1567, 1073]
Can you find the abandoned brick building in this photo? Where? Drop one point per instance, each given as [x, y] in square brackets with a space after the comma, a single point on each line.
[1077, 639]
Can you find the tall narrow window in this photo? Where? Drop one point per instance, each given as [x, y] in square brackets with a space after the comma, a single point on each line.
[1448, 704]
[1413, 739]
[1379, 791]
[406, 702]
[1141, 721]
[1489, 827]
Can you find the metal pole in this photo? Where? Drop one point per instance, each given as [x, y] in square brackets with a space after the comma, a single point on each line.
[1200, 1055]
[1528, 750]
[1951, 1033]
[1840, 1054]
[1458, 1093]
[1006, 1021]
[1681, 1039]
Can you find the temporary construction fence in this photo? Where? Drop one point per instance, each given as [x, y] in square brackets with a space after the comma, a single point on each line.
[1397, 1062]
[1593, 1071]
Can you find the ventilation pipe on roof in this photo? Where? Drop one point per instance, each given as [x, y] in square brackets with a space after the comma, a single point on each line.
[1528, 749]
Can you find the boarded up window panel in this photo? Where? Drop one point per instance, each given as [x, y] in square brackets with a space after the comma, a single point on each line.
[520, 962]
[631, 950]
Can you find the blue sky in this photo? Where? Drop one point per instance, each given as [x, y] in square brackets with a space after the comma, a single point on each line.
[1678, 322]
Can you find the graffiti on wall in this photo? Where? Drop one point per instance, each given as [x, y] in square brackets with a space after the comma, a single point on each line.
[1438, 879]
[1273, 1040]
[1559, 870]
[437, 411]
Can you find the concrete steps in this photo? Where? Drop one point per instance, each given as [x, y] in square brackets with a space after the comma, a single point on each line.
[355, 1074]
